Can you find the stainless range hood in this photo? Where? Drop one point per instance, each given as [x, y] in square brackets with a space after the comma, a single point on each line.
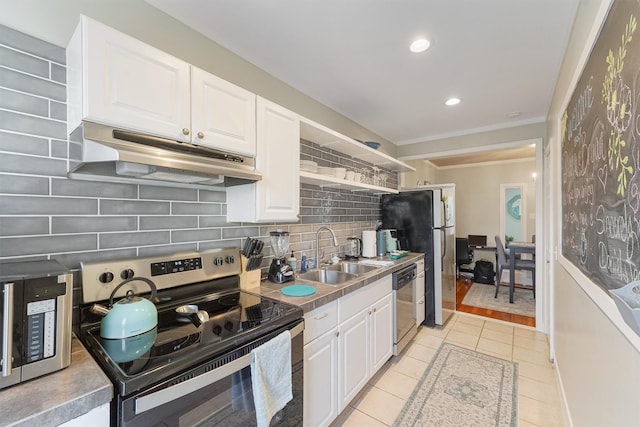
[102, 153]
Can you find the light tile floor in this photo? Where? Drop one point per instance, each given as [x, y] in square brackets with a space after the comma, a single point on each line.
[538, 403]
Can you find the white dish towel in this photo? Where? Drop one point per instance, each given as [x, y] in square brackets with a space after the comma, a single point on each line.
[271, 377]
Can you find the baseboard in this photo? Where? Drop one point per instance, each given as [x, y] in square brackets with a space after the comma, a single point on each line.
[564, 406]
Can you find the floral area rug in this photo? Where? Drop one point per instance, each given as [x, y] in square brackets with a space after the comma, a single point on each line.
[481, 295]
[463, 388]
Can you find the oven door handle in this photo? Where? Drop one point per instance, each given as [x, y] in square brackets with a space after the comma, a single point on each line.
[153, 400]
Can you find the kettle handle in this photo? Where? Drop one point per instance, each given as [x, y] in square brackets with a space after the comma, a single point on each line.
[152, 285]
[360, 241]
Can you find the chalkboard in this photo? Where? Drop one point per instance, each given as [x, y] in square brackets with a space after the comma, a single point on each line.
[601, 156]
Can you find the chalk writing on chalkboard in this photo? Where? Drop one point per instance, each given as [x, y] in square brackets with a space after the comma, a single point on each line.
[601, 156]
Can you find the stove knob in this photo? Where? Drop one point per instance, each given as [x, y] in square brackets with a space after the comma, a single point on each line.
[126, 274]
[217, 329]
[230, 259]
[106, 277]
[228, 326]
[218, 261]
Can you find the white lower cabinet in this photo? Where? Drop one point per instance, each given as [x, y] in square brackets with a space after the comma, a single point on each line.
[346, 343]
[97, 417]
[320, 384]
[381, 332]
[355, 353]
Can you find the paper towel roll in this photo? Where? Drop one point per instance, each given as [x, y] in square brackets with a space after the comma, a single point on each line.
[369, 244]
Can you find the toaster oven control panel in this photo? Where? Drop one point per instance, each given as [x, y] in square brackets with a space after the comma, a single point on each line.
[40, 326]
[41, 330]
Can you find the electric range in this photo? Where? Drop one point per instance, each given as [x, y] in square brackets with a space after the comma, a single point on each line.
[181, 349]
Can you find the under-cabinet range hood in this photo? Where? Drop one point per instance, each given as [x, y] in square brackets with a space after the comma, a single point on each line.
[102, 153]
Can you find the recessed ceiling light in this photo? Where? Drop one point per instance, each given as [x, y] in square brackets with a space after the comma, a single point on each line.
[514, 114]
[419, 45]
[452, 101]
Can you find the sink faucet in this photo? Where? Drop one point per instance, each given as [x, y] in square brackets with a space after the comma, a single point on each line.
[335, 242]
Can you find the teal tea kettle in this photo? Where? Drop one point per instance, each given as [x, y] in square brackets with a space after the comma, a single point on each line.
[130, 316]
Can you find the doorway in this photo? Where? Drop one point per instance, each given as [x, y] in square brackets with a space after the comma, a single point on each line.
[523, 206]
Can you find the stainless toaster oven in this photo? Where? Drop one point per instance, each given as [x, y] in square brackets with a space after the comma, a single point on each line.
[35, 306]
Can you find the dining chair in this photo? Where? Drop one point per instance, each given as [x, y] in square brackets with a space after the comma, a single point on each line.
[520, 264]
[464, 256]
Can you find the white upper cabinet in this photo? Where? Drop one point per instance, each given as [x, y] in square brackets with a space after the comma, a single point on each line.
[223, 115]
[119, 81]
[277, 196]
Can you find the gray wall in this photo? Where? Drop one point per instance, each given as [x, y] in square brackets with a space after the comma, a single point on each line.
[45, 215]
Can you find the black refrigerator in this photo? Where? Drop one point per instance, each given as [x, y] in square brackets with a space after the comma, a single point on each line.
[424, 221]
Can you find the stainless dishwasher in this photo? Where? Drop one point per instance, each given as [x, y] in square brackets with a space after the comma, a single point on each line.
[404, 301]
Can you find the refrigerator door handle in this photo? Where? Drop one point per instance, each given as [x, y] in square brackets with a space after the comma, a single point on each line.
[444, 247]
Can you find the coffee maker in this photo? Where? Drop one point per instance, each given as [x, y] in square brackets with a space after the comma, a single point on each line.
[280, 271]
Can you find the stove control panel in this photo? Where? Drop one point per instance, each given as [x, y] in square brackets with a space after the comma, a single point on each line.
[175, 266]
[100, 278]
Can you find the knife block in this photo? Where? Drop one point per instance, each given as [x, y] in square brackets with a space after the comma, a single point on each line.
[249, 279]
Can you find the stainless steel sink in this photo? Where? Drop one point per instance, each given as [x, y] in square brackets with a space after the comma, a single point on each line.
[352, 268]
[327, 277]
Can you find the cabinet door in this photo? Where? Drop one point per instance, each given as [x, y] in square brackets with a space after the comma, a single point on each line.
[321, 380]
[381, 332]
[354, 356]
[223, 115]
[132, 85]
[421, 311]
[278, 160]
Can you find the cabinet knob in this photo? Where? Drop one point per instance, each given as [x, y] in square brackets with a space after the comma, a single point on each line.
[370, 312]
[337, 333]
[185, 131]
[374, 310]
[201, 135]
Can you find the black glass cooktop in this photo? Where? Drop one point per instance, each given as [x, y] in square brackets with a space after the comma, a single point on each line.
[180, 342]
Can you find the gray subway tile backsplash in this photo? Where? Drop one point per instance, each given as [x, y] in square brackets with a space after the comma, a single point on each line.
[12, 163]
[168, 193]
[85, 224]
[58, 110]
[19, 61]
[23, 144]
[168, 222]
[20, 102]
[141, 238]
[32, 125]
[40, 205]
[23, 226]
[31, 45]
[199, 235]
[44, 214]
[19, 184]
[178, 208]
[45, 88]
[133, 207]
[58, 73]
[21, 246]
[70, 187]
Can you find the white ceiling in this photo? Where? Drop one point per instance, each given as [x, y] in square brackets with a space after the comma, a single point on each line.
[498, 56]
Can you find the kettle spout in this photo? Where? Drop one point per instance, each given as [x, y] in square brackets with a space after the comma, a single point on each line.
[99, 310]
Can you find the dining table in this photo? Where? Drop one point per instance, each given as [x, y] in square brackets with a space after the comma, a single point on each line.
[515, 249]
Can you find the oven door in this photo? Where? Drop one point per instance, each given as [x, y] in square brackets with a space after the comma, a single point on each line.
[217, 393]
